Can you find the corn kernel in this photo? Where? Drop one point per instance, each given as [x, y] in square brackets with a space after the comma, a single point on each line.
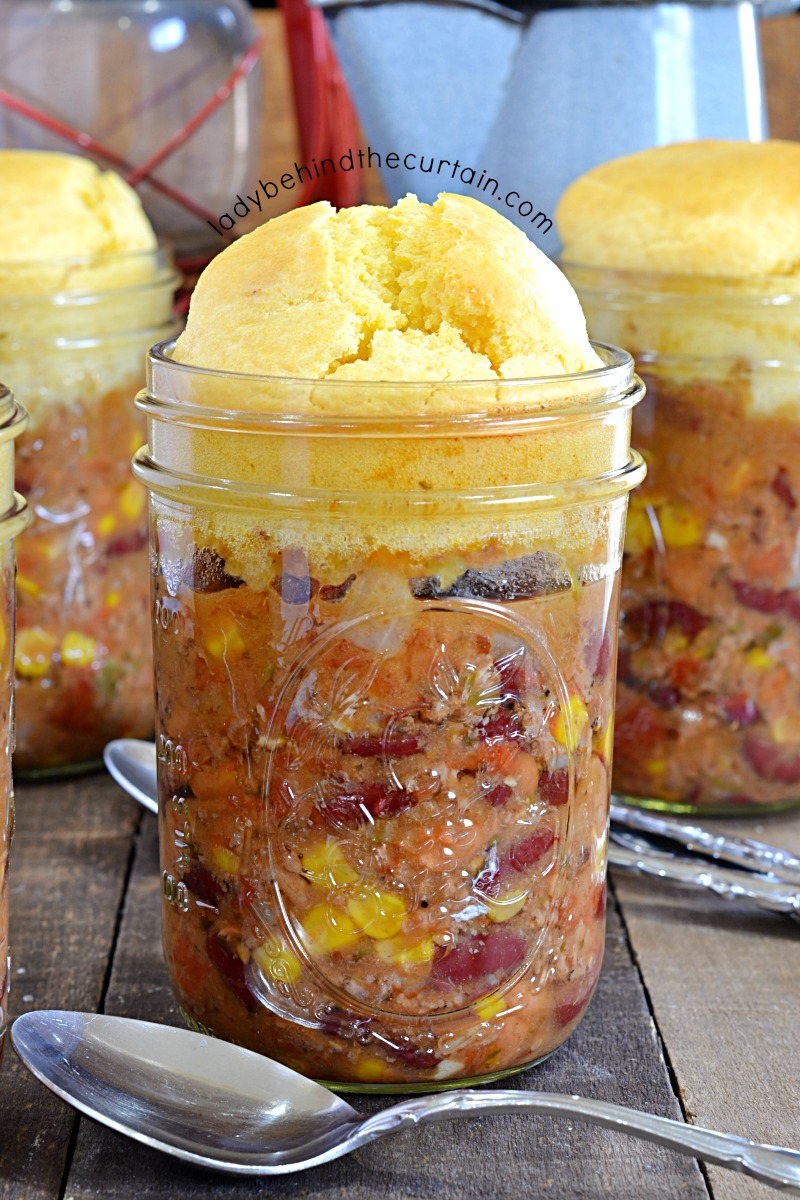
[276, 961]
[757, 658]
[107, 524]
[379, 914]
[680, 526]
[603, 739]
[78, 650]
[33, 653]
[328, 929]
[226, 641]
[370, 1070]
[399, 951]
[112, 599]
[638, 532]
[741, 478]
[325, 864]
[570, 735]
[490, 1007]
[226, 860]
[503, 908]
[785, 730]
[29, 586]
[657, 767]
[132, 499]
[674, 642]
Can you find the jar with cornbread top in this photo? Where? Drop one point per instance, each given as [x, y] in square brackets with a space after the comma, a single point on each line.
[688, 256]
[84, 292]
[13, 517]
[385, 621]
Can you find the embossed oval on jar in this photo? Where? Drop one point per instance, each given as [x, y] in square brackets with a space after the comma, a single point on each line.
[419, 797]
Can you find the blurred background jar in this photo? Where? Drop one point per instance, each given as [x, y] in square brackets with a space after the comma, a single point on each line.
[13, 516]
[709, 662]
[73, 337]
[168, 92]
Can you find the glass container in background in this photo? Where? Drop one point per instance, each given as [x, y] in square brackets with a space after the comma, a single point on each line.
[138, 75]
[384, 656]
[13, 516]
[75, 357]
[708, 697]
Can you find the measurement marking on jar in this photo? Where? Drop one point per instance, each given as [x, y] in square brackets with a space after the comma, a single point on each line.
[173, 754]
[171, 620]
[175, 892]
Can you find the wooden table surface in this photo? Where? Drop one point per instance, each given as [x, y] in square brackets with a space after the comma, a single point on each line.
[696, 1016]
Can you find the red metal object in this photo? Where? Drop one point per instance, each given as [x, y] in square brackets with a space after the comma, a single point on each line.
[327, 122]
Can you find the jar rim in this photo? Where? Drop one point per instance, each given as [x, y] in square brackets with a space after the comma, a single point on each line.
[612, 386]
[665, 286]
[159, 256]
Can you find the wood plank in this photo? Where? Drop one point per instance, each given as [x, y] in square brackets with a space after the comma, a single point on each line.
[614, 1055]
[724, 982]
[780, 45]
[68, 863]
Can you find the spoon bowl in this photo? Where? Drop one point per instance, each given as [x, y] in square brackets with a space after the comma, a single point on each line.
[220, 1106]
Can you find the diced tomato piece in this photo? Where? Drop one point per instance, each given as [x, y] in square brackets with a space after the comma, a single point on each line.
[379, 747]
[554, 786]
[761, 599]
[651, 620]
[779, 764]
[230, 967]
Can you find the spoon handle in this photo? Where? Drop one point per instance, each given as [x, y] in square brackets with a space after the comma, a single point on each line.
[773, 1165]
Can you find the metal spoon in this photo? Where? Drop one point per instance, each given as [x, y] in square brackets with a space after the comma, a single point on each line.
[132, 763]
[217, 1105]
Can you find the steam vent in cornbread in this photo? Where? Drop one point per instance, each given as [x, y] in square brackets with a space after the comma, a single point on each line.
[415, 292]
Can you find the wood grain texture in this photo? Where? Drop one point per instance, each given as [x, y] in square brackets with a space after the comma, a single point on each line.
[68, 863]
[614, 1054]
[724, 983]
[780, 47]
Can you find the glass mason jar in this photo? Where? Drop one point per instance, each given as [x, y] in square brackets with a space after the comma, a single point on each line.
[13, 517]
[73, 338]
[384, 656]
[708, 702]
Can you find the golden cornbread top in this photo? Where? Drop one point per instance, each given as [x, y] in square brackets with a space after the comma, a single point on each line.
[449, 291]
[710, 208]
[57, 207]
